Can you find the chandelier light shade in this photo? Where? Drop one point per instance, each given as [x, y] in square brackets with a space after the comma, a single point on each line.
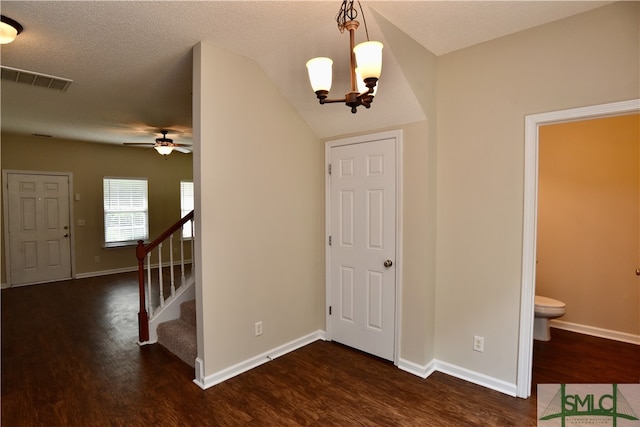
[365, 64]
[369, 59]
[9, 29]
[320, 73]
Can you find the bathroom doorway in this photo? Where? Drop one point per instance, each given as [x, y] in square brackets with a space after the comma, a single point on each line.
[587, 247]
[532, 125]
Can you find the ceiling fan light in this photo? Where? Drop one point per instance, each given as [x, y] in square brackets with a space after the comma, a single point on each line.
[369, 59]
[165, 150]
[9, 30]
[320, 73]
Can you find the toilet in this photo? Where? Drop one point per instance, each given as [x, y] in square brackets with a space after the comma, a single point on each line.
[545, 310]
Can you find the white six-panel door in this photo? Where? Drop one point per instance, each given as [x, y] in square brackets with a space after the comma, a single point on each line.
[39, 228]
[363, 228]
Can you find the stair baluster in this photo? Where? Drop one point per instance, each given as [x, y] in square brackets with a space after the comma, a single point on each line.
[183, 277]
[173, 282]
[160, 276]
[149, 302]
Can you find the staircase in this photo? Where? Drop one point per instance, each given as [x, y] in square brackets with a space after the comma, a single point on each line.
[167, 290]
[179, 335]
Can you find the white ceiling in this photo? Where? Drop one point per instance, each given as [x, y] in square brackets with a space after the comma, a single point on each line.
[130, 61]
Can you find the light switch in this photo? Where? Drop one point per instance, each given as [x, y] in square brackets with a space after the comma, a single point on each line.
[81, 222]
[77, 197]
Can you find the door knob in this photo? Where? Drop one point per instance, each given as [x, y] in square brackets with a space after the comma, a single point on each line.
[388, 263]
[66, 234]
[637, 271]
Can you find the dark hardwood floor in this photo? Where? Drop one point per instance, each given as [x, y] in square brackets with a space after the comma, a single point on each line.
[70, 358]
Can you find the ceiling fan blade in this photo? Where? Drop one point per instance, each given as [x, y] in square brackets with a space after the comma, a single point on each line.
[182, 149]
[139, 144]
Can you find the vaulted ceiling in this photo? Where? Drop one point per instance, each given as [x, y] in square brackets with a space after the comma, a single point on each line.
[131, 61]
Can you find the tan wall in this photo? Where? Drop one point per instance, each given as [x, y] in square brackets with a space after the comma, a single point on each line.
[588, 214]
[417, 334]
[484, 93]
[90, 163]
[260, 212]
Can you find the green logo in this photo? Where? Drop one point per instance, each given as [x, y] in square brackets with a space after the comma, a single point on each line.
[593, 407]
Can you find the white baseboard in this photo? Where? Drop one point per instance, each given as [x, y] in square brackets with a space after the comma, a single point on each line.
[4, 286]
[237, 369]
[476, 378]
[596, 332]
[124, 270]
[423, 371]
[106, 272]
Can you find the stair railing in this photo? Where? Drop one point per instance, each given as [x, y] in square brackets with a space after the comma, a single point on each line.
[144, 252]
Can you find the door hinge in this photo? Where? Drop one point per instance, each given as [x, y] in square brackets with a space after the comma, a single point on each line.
[329, 168]
[329, 310]
[329, 240]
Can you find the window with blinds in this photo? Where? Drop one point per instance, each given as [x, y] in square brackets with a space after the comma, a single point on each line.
[126, 211]
[186, 205]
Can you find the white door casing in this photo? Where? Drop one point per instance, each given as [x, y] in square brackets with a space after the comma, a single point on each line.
[362, 223]
[529, 228]
[37, 227]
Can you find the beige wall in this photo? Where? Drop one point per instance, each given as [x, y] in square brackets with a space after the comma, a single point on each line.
[260, 212]
[588, 217]
[90, 163]
[484, 92]
[461, 278]
[417, 341]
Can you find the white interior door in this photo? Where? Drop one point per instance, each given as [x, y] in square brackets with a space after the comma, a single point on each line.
[38, 227]
[363, 246]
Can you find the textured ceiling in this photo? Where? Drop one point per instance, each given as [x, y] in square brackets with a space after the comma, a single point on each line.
[130, 61]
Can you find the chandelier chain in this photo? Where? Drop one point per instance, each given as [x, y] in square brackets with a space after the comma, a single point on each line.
[348, 13]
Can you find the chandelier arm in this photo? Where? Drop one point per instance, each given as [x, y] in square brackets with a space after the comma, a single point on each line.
[331, 101]
[368, 92]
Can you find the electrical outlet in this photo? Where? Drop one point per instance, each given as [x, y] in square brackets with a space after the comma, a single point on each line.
[258, 328]
[97, 259]
[478, 343]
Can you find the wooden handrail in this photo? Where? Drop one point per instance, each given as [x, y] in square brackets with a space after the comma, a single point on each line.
[161, 238]
[141, 253]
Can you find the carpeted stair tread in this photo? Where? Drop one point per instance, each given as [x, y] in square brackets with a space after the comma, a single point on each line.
[179, 337]
[188, 312]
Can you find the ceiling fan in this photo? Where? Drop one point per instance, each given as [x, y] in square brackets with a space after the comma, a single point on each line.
[163, 145]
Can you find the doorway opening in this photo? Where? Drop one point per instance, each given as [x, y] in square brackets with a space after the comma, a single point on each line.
[532, 123]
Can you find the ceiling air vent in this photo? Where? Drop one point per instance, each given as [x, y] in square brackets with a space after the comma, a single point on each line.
[35, 79]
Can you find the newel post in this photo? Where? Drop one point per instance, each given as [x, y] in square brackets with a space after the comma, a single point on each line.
[143, 319]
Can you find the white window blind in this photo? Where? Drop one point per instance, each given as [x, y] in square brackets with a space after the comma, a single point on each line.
[126, 212]
[186, 205]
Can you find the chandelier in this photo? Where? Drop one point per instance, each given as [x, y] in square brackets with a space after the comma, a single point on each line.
[365, 61]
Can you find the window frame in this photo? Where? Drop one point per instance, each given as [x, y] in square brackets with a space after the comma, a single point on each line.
[186, 229]
[107, 210]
